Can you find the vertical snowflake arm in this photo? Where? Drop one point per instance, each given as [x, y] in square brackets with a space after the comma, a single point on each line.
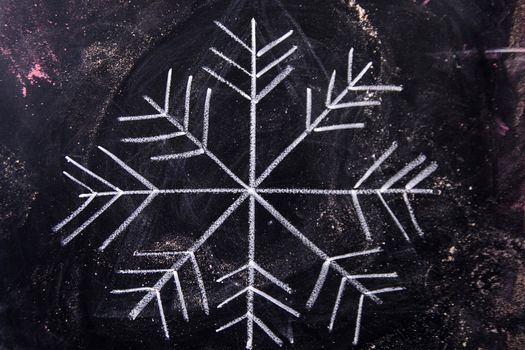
[254, 96]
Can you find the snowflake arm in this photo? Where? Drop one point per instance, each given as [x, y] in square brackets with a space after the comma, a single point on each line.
[330, 105]
[172, 272]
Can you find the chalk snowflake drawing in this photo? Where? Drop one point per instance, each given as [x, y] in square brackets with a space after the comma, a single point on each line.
[254, 194]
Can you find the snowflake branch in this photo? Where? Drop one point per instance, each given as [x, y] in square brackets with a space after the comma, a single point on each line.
[202, 145]
[115, 194]
[330, 262]
[172, 272]
[330, 105]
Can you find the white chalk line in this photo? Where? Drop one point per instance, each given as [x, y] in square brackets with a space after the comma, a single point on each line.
[186, 121]
[276, 81]
[350, 66]
[228, 83]
[233, 297]
[167, 92]
[408, 168]
[147, 139]
[327, 191]
[395, 88]
[319, 283]
[354, 104]
[140, 117]
[231, 323]
[357, 329]
[128, 221]
[166, 191]
[274, 43]
[337, 303]
[206, 119]
[231, 35]
[422, 175]
[361, 217]
[253, 109]
[181, 155]
[86, 223]
[308, 108]
[377, 164]
[340, 127]
[276, 62]
[229, 60]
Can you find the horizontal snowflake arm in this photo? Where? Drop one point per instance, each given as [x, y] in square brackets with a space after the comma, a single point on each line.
[114, 195]
[385, 189]
[330, 105]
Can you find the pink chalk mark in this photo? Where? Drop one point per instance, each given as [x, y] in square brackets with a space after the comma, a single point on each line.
[502, 128]
[36, 73]
[426, 2]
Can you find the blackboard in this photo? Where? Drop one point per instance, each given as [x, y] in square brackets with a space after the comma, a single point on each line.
[261, 174]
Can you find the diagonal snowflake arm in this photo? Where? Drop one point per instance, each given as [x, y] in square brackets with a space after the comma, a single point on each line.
[172, 272]
[331, 262]
[330, 105]
[183, 129]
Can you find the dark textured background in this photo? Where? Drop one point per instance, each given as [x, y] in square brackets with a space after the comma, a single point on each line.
[68, 68]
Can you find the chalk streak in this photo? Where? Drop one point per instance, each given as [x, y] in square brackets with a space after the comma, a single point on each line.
[274, 43]
[228, 83]
[233, 36]
[399, 175]
[276, 81]
[147, 139]
[229, 60]
[276, 62]
[377, 164]
[394, 217]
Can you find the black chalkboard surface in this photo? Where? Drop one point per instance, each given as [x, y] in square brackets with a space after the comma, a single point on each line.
[261, 174]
